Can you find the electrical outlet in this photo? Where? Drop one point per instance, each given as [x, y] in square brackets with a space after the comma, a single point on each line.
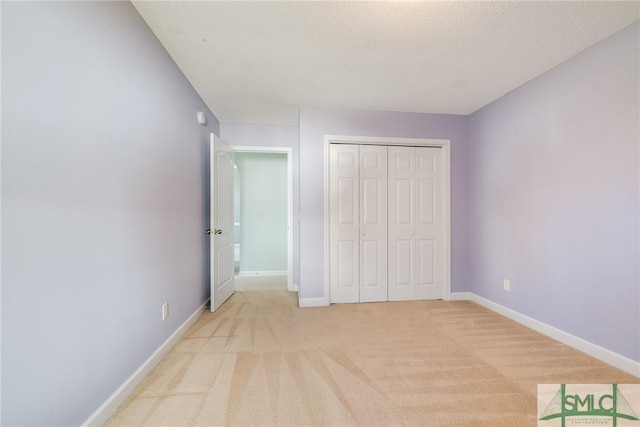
[165, 311]
[507, 285]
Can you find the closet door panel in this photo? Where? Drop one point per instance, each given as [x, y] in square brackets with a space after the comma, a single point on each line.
[429, 226]
[402, 222]
[426, 262]
[370, 251]
[373, 223]
[344, 212]
[404, 267]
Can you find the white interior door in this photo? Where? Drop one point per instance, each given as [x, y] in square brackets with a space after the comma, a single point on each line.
[402, 224]
[344, 233]
[429, 225]
[373, 223]
[416, 230]
[221, 222]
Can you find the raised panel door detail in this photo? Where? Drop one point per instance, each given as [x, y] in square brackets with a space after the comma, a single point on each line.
[430, 258]
[346, 160]
[404, 161]
[429, 228]
[373, 223]
[371, 199]
[404, 201]
[347, 201]
[426, 201]
[371, 160]
[224, 214]
[402, 270]
[404, 263]
[225, 263]
[401, 223]
[426, 262]
[346, 263]
[427, 162]
[371, 259]
[344, 218]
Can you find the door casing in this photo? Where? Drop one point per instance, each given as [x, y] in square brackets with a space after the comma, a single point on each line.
[289, 153]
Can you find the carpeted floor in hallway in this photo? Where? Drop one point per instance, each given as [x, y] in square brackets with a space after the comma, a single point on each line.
[261, 360]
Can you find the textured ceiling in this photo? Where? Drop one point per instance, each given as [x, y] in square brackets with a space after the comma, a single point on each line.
[257, 62]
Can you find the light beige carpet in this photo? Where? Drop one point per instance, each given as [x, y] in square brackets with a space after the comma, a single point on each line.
[260, 283]
[261, 360]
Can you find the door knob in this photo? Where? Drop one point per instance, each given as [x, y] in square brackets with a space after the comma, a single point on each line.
[216, 231]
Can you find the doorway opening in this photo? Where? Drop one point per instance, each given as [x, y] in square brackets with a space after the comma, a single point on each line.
[263, 217]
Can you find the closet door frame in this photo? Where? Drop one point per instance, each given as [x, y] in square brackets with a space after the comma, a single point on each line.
[444, 144]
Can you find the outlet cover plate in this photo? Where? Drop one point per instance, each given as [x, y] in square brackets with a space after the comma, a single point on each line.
[165, 311]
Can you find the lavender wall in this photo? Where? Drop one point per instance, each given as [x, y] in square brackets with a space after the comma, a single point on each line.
[104, 203]
[316, 123]
[554, 169]
[252, 135]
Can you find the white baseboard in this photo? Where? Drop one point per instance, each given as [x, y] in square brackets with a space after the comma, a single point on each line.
[460, 296]
[111, 405]
[261, 273]
[293, 288]
[312, 302]
[607, 356]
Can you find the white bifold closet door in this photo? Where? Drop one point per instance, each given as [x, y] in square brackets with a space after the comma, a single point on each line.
[358, 223]
[415, 224]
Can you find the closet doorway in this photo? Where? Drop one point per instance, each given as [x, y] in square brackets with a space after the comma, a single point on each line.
[263, 215]
[387, 223]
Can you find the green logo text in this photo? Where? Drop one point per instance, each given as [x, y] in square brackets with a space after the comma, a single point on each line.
[612, 405]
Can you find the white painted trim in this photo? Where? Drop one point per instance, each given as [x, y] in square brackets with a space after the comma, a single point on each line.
[460, 296]
[290, 284]
[259, 149]
[1, 258]
[374, 140]
[212, 217]
[111, 405]
[446, 217]
[325, 169]
[445, 144]
[261, 273]
[312, 302]
[291, 287]
[607, 356]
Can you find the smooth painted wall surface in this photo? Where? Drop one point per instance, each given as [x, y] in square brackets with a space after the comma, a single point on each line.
[252, 135]
[104, 203]
[316, 123]
[554, 175]
[263, 211]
